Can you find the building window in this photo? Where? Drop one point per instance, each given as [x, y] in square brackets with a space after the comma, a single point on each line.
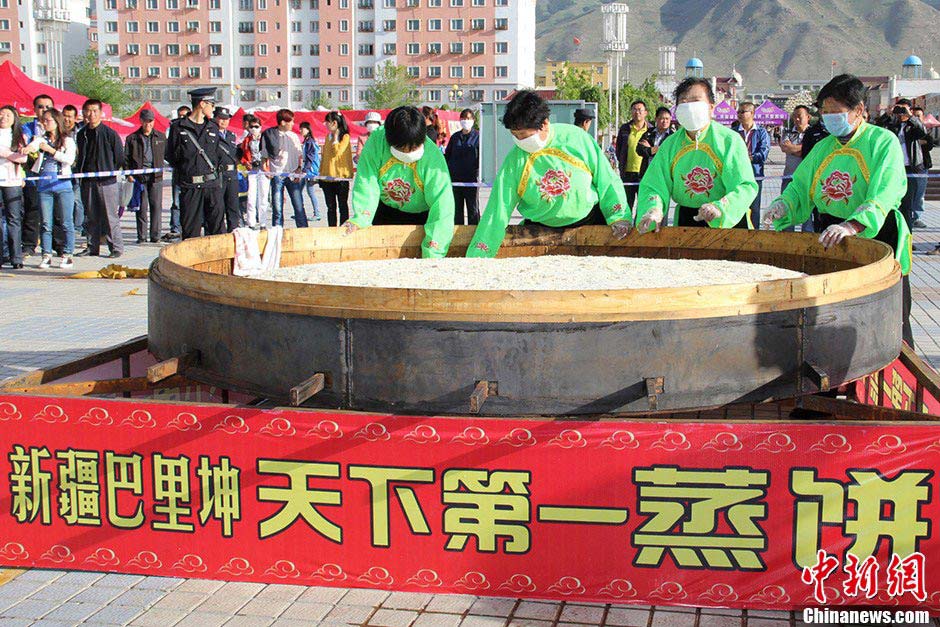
[154, 94]
[246, 50]
[296, 27]
[130, 4]
[215, 50]
[344, 50]
[366, 50]
[344, 71]
[110, 4]
[246, 72]
[478, 23]
[111, 50]
[246, 5]
[172, 4]
[500, 94]
[133, 49]
[172, 50]
[414, 49]
[173, 95]
[388, 4]
[262, 50]
[413, 3]
[456, 47]
[434, 25]
[456, 25]
[434, 95]
[249, 95]
[262, 26]
[314, 72]
[153, 27]
[215, 72]
[366, 72]
[434, 48]
[434, 71]
[389, 49]
[344, 95]
[215, 27]
[296, 50]
[366, 26]
[502, 3]
[479, 3]
[476, 95]
[501, 23]
[501, 71]
[215, 5]
[192, 4]
[478, 71]
[456, 3]
[133, 72]
[172, 27]
[477, 47]
[314, 26]
[153, 50]
[314, 50]
[263, 5]
[456, 71]
[296, 72]
[502, 47]
[414, 71]
[193, 26]
[109, 27]
[193, 49]
[246, 27]
[344, 26]
[412, 25]
[153, 5]
[388, 26]
[434, 3]
[153, 72]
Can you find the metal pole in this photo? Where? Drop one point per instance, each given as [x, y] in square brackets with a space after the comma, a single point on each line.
[353, 53]
[610, 90]
[617, 70]
[230, 24]
[288, 98]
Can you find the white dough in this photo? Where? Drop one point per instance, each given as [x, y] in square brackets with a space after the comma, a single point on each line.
[550, 272]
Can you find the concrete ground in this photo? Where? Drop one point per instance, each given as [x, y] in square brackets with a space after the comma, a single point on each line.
[47, 319]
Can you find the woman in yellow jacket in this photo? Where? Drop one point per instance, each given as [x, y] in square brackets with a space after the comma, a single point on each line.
[337, 162]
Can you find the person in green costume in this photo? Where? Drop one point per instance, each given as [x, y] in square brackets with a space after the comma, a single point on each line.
[556, 176]
[403, 179]
[704, 168]
[855, 179]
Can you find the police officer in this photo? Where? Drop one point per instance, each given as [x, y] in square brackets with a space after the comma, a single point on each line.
[228, 153]
[193, 151]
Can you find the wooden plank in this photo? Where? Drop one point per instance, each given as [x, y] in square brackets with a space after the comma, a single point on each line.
[174, 365]
[926, 377]
[87, 362]
[850, 410]
[481, 392]
[102, 386]
[300, 393]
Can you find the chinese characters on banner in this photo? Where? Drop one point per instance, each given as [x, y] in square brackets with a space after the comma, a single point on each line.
[760, 515]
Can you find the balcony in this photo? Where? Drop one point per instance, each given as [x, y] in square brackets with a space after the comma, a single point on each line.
[52, 15]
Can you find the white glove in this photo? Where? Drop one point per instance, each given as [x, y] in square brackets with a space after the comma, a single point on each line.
[621, 228]
[707, 212]
[652, 218]
[777, 210]
[836, 233]
[349, 227]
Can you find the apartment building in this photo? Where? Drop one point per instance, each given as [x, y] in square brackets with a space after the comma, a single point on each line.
[31, 36]
[291, 52]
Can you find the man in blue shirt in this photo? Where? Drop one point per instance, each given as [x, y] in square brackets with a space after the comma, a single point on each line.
[463, 160]
[31, 214]
[758, 148]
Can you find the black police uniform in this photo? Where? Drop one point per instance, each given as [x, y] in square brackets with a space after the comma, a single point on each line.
[193, 151]
[228, 154]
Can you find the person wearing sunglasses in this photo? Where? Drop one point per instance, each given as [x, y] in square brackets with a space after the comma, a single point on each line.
[254, 158]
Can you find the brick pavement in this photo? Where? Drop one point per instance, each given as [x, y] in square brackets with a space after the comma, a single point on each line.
[46, 319]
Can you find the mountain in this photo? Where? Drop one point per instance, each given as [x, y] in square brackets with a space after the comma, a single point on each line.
[765, 40]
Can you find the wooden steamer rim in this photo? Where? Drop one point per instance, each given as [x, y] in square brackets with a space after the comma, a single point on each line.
[201, 268]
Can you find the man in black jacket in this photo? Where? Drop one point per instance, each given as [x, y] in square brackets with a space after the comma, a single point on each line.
[145, 148]
[229, 158]
[915, 144]
[648, 145]
[100, 150]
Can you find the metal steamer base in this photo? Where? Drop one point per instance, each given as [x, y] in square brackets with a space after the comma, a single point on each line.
[518, 353]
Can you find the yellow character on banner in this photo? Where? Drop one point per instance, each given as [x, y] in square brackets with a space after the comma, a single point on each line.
[684, 508]
[29, 485]
[298, 499]
[898, 392]
[79, 488]
[379, 479]
[171, 492]
[487, 505]
[822, 502]
[124, 472]
[221, 495]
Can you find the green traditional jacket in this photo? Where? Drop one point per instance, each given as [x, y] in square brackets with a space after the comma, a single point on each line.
[714, 167]
[863, 180]
[410, 187]
[557, 186]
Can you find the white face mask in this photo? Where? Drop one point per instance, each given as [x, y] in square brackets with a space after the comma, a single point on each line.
[466, 125]
[693, 116]
[256, 133]
[371, 126]
[408, 157]
[532, 143]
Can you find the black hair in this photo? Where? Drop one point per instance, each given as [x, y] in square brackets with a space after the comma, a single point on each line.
[581, 119]
[467, 111]
[904, 101]
[845, 89]
[71, 108]
[405, 128]
[17, 139]
[43, 97]
[805, 108]
[526, 111]
[285, 115]
[183, 110]
[306, 125]
[60, 132]
[691, 81]
[636, 102]
[248, 119]
[92, 102]
[747, 103]
[336, 116]
[921, 109]
[663, 110]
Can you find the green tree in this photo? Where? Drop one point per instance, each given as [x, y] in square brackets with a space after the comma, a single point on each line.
[646, 92]
[392, 87]
[91, 80]
[320, 101]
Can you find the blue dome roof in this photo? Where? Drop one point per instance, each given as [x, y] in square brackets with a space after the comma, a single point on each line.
[913, 60]
[694, 62]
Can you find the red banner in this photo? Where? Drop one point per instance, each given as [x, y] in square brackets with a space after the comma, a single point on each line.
[897, 387]
[761, 515]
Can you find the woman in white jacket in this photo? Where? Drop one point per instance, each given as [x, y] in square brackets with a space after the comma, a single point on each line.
[56, 196]
[11, 185]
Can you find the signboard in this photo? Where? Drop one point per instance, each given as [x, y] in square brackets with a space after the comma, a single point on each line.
[766, 515]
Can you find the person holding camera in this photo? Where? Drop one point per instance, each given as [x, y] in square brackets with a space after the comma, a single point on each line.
[915, 144]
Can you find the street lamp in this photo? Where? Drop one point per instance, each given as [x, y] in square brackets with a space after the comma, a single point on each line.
[456, 94]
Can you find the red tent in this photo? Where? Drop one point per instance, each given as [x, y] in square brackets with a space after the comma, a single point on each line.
[930, 121]
[160, 122]
[19, 90]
